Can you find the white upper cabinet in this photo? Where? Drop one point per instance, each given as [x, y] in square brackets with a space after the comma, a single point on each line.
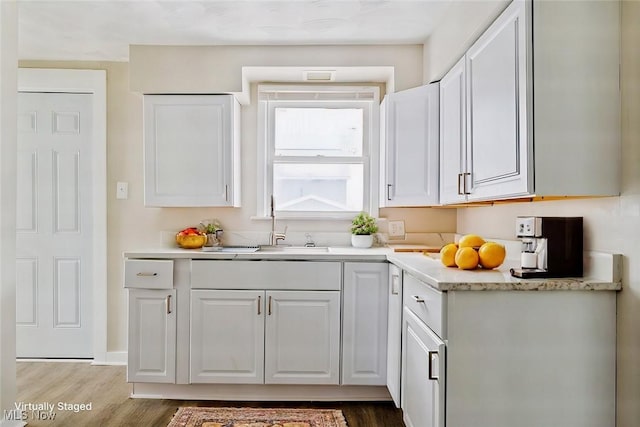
[541, 106]
[409, 142]
[496, 70]
[453, 135]
[191, 150]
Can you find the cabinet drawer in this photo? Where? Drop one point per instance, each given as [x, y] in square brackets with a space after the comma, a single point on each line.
[286, 275]
[427, 303]
[148, 273]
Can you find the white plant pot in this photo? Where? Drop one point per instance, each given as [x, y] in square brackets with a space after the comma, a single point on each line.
[362, 240]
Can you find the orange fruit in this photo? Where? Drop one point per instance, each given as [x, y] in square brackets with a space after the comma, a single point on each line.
[471, 241]
[448, 254]
[491, 255]
[467, 258]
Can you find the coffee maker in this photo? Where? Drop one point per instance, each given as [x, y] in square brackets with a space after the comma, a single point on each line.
[551, 247]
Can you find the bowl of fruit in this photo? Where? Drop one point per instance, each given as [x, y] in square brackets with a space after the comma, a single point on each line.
[191, 238]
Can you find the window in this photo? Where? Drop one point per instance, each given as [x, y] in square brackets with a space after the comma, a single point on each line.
[316, 149]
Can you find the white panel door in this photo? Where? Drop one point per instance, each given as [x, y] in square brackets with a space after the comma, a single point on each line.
[412, 145]
[227, 336]
[152, 336]
[394, 333]
[423, 374]
[54, 222]
[452, 134]
[302, 337]
[188, 150]
[496, 67]
[364, 323]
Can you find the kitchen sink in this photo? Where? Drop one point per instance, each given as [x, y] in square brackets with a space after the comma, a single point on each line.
[301, 249]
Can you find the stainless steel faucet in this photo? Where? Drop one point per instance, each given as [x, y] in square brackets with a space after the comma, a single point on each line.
[275, 237]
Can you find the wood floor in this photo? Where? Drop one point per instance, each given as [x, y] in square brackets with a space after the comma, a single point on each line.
[106, 389]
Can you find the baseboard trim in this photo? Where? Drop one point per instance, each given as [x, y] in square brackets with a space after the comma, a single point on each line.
[263, 392]
[117, 358]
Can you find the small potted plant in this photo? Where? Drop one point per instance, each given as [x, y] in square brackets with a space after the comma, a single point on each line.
[213, 230]
[363, 227]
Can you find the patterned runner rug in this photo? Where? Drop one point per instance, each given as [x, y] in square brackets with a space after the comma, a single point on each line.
[256, 417]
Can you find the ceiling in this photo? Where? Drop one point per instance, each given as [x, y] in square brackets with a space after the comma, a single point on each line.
[104, 29]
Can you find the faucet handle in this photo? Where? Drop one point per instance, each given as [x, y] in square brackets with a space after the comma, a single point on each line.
[310, 243]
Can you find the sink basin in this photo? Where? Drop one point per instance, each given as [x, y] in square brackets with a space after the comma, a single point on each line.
[300, 249]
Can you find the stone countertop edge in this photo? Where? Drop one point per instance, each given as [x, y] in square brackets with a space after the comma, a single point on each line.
[602, 273]
[602, 270]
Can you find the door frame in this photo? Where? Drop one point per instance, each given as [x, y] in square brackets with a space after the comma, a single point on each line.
[93, 82]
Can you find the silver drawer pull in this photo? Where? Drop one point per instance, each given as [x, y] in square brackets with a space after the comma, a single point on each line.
[417, 298]
[431, 376]
[143, 274]
[168, 302]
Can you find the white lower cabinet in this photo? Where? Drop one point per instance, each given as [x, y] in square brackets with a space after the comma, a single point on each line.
[227, 336]
[302, 337]
[423, 374]
[271, 337]
[364, 334]
[152, 336]
[394, 333]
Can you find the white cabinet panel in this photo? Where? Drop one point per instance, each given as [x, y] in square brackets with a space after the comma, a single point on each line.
[364, 333]
[410, 147]
[394, 333]
[497, 140]
[152, 336]
[423, 374]
[191, 150]
[453, 134]
[302, 337]
[227, 336]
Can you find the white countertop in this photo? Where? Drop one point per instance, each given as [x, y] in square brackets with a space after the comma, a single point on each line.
[602, 270]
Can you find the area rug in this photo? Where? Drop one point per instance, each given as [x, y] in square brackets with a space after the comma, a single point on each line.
[257, 417]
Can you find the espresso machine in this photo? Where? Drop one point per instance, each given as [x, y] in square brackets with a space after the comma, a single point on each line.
[551, 247]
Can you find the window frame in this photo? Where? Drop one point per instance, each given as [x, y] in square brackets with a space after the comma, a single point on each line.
[271, 97]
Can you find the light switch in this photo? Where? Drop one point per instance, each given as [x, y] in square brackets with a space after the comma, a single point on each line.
[122, 190]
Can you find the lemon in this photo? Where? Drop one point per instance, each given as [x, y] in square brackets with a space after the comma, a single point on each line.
[491, 255]
[470, 240]
[448, 254]
[467, 258]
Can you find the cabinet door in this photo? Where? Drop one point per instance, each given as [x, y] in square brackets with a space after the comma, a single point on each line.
[364, 323]
[394, 333]
[497, 142]
[423, 374]
[411, 147]
[302, 337]
[227, 336]
[152, 336]
[452, 135]
[189, 150]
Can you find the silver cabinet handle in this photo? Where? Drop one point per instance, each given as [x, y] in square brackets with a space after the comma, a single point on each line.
[259, 304]
[168, 304]
[460, 193]
[226, 192]
[464, 182]
[431, 354]
[394, 284]
[146, 274]
[269, 306]
[388, 191]
[417, 298]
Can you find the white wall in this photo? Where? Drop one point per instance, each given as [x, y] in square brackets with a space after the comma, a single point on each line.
[460, 27]
[8, 113]
[611, 224]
